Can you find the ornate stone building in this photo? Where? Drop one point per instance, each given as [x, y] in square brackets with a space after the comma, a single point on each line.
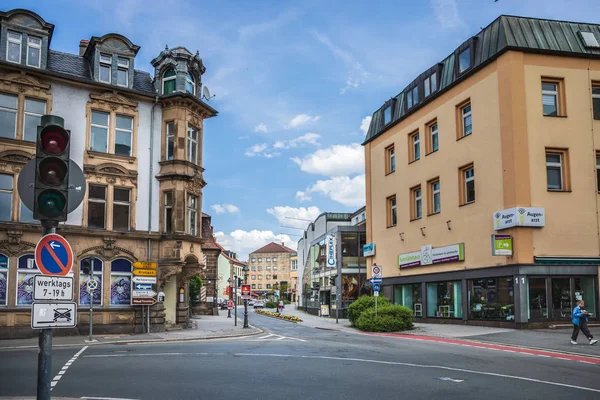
[138, 140]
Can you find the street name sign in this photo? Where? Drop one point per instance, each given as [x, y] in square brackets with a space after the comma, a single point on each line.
[144, 265]
[53, 255]
[142, 286]
[144, 279]
[52, 288]
[53, 315]
[143, 293]
[144, 272]
[143, 302]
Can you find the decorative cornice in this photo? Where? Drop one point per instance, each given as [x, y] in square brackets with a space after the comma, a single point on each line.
[113, 100]
[110, 172]
[197, 108]
[23, 82]
[14, 246]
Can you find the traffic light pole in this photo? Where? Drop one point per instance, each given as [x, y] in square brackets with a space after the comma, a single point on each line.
[235, 285]
[44, 376]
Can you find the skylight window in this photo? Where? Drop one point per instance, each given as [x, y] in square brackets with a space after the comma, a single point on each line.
[589, 39]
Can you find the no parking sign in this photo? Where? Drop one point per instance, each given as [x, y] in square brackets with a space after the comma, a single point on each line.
[53, 255]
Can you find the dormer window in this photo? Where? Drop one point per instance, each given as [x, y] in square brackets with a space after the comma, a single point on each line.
[387, 115]
[34, 51]
[430, 84]
[464, 60]
[105, 64]
[190, 85]
[122, 71]
[13, 49]
[168, 81]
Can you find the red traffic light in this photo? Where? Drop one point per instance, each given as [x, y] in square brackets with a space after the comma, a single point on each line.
[54, 139]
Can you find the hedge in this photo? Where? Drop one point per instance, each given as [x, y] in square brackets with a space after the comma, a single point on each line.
[270, 304]
[364, 303]
[390, 318]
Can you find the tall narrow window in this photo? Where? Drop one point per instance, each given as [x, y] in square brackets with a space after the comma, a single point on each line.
[168, 215]
[414, 142]
[387, 115]
[96, 206]
[120, 282]
[433, 82]
[168, 81]
[467, 125]
[415, 95]
[190, 85]
[550, 98]
[26, 270]
[123, 135]
[468, 181]
[598, 172]
[105, 68]
[8, 115]
[122, 71]
[434, 196]
[409, 99]
[99, 132]
[596, 100]
[417, 203]
[34, 109]
[192, 211]
[3, 279]
[6, 195]
[13, 48]
[554, 170]
[170, 140]
[464, 60]
[391, 160]
[95, 272]
[433, 131]
[121, 209]
[192, 145]
[34, 51]
[392, 215]
[426, 86]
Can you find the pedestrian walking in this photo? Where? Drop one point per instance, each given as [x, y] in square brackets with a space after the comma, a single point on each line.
[580, 319]
[281, 305]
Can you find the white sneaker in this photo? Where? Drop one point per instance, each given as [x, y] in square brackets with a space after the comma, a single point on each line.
[593, 341]
[573, 342]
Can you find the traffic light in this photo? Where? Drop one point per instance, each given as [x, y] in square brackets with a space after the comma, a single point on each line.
[332, 280]
[51, 190]
[86, 266]
[240, 281]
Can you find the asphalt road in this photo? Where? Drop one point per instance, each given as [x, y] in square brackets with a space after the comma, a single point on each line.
[293, 361]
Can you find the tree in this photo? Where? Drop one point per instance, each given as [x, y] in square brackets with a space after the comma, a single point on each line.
[195, 285]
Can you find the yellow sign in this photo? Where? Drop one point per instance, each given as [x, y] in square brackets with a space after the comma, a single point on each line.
[144, 272]
[144, 265]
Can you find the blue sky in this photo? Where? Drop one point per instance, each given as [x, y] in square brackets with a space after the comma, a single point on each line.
[294, 81]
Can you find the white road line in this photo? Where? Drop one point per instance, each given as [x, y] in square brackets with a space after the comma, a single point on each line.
[65, 367]
[105, 398]
[586, 362]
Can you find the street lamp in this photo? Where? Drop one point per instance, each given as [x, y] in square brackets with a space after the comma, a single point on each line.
[245, 269]
[229, 309]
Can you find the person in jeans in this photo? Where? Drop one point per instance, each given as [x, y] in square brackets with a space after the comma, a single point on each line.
[580, 318]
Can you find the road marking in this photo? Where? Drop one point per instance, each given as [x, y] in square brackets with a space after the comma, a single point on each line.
[445, 378]
[271, 337]
[65, 368]
[105, 398]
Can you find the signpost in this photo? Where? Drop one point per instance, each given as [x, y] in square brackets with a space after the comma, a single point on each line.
[144, 265]
[53, 255]
[502, 245]
[142, 293]
[144, 272]
[246, 292]
[144, 279]
[53, 315]
[52, 288]
[143, 302]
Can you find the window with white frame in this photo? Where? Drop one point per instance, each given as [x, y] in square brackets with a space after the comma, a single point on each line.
[268, 267]
[26, 270]
[253, 277]
[596, 101]
[433, 130]
[467, 125]
[469, 184]
[259, 259]
[123, 135]
[260, 285]
[254, 286]
[96, 206]
[122, 71]
[6, 196]
[268, 259]
[274, 268]
[190, 84]
[8, 115]
[95, 272]
[170, 131]
[550, 98]
[417, 211]
[105, 68]
[392, 212]
[391, 159]
[253, 259]
[13, 47]
[192, 212]
[192, 145]
[435, 197]
[121, 209]
[274, 259]
[34, 51]
[430, 84]
[99, 131]
[34, 109]
[417, 146]
[3, 279]
[120, 282]
[554, 170]
[598, 172]
[168, 212]
[268, 276]
[169, 83]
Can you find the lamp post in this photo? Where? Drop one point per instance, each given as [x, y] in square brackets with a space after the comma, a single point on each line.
[229, 309]
[235, 287]
[245, 269]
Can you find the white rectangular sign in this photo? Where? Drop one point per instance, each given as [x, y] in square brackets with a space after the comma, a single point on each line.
[143, 293]
[376, 271]
[47, 287]
[331, 256]
[53, 315]
[519, 216]
[144, 279]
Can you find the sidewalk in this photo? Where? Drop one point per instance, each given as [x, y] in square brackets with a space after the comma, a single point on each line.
[206, 327]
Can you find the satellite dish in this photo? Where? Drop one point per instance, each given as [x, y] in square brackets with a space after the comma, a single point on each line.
[206, 93]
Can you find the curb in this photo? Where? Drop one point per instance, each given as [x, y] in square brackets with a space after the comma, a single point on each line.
[280, 319]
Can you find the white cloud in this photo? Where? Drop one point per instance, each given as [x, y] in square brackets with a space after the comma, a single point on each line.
[364, 126]
[225, 208]
[343, 189]
[264, 149]
[243, 137]
[279, 145]
[336, 160]
[243, 242]
[301, 119]
[251, 30]
[303, 196]
[261, 128]
[260, 150]
[295, 217]
[446, 12]
[308, 138]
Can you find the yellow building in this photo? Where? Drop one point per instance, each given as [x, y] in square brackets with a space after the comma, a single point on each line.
[502, 137]
[270, 269]
[292, 291]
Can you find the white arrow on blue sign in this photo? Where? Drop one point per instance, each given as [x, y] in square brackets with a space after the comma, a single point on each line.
[375, 280]
[143, 286]
[376, 287]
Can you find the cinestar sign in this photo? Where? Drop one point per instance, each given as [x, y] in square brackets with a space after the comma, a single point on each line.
[331, 262]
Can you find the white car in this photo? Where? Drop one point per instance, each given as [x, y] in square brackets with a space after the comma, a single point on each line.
[251, 302]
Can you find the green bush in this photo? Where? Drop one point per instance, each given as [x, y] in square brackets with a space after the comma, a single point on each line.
[287, 302]
[364, 303]
[390, 318]
[270, 304]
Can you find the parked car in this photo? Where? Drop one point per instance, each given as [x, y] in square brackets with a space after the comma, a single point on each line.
[224, 305]
[251, 302]
[259, 304]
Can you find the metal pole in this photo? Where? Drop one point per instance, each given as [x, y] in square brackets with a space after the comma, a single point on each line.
[235, 301]
[337, 293]
[375, 306]
[45, 344]
[91, 293]
[148, 320]
[143, 318]
[246, 303]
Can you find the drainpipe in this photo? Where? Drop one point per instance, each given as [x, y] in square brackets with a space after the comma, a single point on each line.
[150, 184]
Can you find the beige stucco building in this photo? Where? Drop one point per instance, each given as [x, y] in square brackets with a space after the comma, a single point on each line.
[501, 137]
[270, 269]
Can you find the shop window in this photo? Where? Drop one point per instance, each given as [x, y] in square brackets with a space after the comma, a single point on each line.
[562, 306]
[596, 100]
[120, 282]
[26, 270]
[85, 294]
[410, 296]
[3, 279]
[553, 100]
[538, 302]
[390, 160]
[444, 300]
[492, 298]
[557, 167]
[585, 290]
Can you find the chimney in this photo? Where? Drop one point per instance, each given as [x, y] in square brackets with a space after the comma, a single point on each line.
[83, 44]
[283, 244]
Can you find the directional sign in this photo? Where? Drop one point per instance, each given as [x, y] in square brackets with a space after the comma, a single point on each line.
[142, 286]
[144, 272]
[142, 302]
[52, 288]
[144, 265]
[144, 279]
[53, 315]
[376, 287]
[375, 280]
[143, 293]
[53, 255]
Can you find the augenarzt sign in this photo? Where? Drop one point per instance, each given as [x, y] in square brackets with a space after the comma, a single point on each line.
[519, 216]
[430, 255]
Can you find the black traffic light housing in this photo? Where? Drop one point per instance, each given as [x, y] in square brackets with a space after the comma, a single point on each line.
[86, 266]
[332, 280]
[51, 190]
[239, 282]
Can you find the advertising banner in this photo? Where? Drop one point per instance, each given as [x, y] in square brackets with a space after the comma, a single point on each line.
[519, 216]
[430, 255]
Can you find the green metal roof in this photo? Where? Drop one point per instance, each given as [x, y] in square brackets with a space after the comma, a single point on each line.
[505, 33]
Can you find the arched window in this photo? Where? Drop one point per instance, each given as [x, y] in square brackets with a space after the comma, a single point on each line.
[26, 271]
[3, 279]
[120, 282]
[168, 81]
[95, 270]
[190, 84]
